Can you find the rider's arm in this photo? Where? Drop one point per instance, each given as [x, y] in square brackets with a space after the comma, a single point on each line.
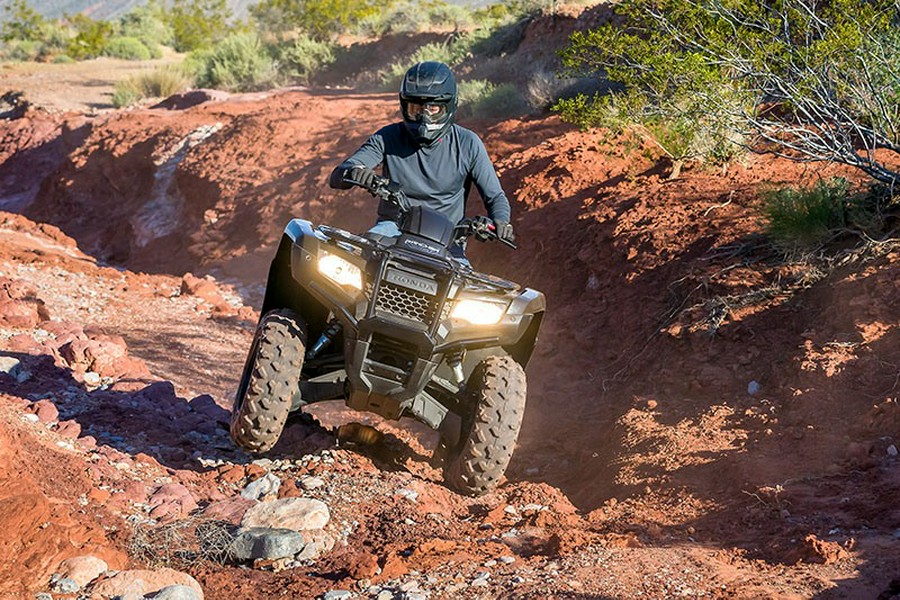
[485, 178]
[370, 155]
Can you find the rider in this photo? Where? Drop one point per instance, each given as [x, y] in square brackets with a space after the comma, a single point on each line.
[434, 160]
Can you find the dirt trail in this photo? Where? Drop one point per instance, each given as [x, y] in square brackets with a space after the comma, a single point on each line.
[704, 419]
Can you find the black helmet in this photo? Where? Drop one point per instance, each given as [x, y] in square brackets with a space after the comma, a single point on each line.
[428, 100]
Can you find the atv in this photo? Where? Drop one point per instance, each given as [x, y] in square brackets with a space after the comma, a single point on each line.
[398, 327]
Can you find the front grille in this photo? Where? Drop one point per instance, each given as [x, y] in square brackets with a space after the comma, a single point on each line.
[405, 302]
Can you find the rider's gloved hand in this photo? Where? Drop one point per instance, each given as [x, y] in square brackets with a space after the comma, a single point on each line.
[481, 227]
[505, 231]
[363, 176]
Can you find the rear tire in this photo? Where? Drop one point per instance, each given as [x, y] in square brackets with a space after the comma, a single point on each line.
[497, 390]
[270, 381]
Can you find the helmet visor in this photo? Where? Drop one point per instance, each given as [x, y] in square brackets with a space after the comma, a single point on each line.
[428, 112]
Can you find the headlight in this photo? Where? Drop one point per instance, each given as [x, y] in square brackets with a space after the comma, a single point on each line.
[340, 271]
[478, 312]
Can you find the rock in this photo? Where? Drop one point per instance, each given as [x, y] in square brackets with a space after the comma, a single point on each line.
[311, 483]
[171, 499]
[265, 543]
[410, 495]
[231, 509]
[268, 484]
[298, 514]
[337, 595]
[753, 388]
[19, 305]
[891, 450]
[143, 582]
[92, 379]
[507, 560]
[65, 585]
[82, 569]
[10, 365]
[69, 429]
[318, 542]
[46, 411]
[176, 592]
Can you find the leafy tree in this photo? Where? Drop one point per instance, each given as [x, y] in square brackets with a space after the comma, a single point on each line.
[810, 80]
[90, 38]
[320, 19]
[147, 23]
[198, 23]
[21, 22]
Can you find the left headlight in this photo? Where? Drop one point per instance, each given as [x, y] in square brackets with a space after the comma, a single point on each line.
[340, 271]
[478, 312]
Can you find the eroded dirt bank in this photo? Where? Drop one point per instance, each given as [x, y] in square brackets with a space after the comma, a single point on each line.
[704, 420]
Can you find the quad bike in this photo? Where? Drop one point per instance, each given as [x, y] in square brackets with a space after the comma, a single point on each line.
[398, 327]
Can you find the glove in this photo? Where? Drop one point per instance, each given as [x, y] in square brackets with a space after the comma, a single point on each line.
[481, 228]
[505, 231]
[363, 177]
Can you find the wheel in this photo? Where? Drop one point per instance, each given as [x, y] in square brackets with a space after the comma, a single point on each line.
[496, 392]
[270, 381]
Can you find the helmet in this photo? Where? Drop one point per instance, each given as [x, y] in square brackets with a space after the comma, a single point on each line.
[428, 100]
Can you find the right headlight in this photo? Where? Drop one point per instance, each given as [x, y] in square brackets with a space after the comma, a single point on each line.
[478, 312]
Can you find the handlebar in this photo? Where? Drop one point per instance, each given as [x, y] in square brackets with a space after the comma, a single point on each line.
[482, 228]
[390, 191]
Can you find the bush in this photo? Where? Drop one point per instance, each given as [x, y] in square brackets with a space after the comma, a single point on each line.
[128, 48]
[798, 218]
[90, 38]
[237, 63]
[21, 22]
[482, 99]
[197, 24]
[159, 83]
[414, 16]
[21, 50]
[451, 52]
[149, 24]
[320, 19]
[812, 81]
[300, 59]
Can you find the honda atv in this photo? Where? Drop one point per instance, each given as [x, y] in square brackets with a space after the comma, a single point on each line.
[398, 327]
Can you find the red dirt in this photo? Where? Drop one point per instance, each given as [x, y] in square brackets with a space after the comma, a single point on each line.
[657, 473]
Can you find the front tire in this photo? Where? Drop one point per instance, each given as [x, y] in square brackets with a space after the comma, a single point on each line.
[270, 381]
[497, 390]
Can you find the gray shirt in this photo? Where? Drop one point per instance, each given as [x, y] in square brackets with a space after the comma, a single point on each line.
[438, 176]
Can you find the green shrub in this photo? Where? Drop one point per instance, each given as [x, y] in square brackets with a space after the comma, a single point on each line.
[321, 19]
[240, 62]
[21, 22]
[451, 52]
[159, 83]
[814, 80]
[21, 50]
[298, 60]
[149, 24]
[482, 99]
[90, 38]
[414, 16]
[128, 48]
[62, 59]
[197, 24]
[798, 217]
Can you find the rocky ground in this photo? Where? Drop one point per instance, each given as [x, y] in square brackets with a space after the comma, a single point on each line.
[706, 418]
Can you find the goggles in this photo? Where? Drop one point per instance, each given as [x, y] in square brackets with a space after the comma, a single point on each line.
[429, 112]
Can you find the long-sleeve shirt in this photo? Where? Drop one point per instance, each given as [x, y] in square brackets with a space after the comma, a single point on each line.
[439, 175]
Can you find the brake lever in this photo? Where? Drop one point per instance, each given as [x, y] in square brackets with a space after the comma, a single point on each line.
[493, 229]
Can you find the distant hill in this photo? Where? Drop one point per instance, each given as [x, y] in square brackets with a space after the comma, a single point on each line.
[110, 9]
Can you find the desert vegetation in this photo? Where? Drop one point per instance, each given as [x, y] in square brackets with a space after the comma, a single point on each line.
[706, 81]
